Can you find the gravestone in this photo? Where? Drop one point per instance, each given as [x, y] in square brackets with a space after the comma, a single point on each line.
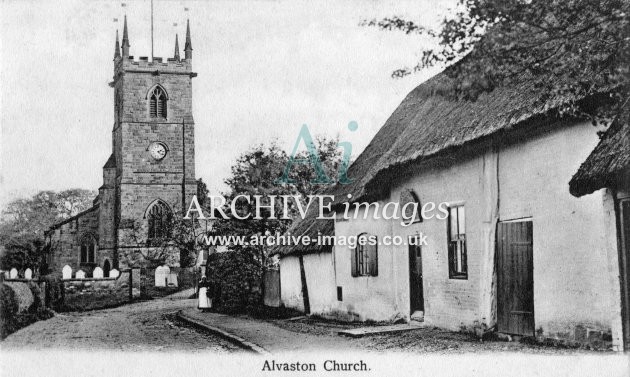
[172, 279]
[28, 274]
[114, 273]
[161, 276]
[80, 274]
[13, 274]
[66, 272]
[97, 273]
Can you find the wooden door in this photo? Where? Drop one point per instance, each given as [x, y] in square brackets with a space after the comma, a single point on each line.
[515, 278]
[415, 278]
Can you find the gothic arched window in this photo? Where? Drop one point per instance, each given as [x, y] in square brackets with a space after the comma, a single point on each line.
[88, 249]
[159, 217]
[157, 103]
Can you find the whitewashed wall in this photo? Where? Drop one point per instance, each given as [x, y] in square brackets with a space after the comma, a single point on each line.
[571, 271]
[291, 283]
[320, 280]
[448, 303]
[574, 272]
[367, 297]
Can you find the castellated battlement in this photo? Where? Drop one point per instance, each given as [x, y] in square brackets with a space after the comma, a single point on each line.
[123, 62]
[171, 65]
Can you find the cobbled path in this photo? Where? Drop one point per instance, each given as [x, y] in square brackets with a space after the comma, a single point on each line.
[143, 326]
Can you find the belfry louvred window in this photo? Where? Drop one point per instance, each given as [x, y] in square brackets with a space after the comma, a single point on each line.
[157, 103]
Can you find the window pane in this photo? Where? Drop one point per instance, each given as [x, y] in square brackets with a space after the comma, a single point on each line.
[461, 220]
[459, 257]
[366, 260]
[453, 223]
[373, 260]
[360, 258]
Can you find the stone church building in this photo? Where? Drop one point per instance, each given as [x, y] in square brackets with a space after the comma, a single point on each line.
[150, 174]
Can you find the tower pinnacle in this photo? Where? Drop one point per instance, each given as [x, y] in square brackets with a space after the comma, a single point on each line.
[125, 40]
[188, 47]
[117, 48]
[176, 48]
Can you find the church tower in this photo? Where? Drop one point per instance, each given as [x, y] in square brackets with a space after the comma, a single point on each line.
[151, 174]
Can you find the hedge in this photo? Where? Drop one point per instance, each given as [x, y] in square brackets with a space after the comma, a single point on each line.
[21, 305]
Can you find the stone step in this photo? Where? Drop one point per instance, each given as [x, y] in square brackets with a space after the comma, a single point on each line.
[375, 330]
[418, 315]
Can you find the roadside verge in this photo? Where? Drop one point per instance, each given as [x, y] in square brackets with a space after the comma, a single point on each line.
[222, 333]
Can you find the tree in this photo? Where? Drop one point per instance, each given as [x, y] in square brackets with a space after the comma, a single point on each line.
[255, 173]
[25, 220]
[202, 192]
[568, 48]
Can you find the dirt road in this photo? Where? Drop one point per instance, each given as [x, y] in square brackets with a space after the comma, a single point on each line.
[144, 326]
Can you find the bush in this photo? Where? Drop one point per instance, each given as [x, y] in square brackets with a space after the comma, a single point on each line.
[8, 310]
[38, 300]
[23, 295]
[55, 291]
[11, 318]
[236, 277]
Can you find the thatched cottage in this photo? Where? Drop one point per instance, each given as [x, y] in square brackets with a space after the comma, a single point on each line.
[518, 253]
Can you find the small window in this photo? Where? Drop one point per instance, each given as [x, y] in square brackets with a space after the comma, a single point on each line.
[365, 256]
[457, 258]
[157, 103]
[88, 250]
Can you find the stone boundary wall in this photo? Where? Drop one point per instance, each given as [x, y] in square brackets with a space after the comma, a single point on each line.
[104, 285]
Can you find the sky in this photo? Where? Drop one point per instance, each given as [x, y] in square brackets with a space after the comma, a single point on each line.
[264, 68]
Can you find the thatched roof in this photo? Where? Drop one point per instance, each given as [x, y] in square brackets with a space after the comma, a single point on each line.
[429, 124]
[311, 227]
[607, 164]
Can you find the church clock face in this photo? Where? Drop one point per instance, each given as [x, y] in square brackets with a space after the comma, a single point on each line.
[157, 150]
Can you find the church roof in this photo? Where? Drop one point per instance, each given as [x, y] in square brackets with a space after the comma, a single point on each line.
[609, 162]
[69, 219]
[111, 162]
